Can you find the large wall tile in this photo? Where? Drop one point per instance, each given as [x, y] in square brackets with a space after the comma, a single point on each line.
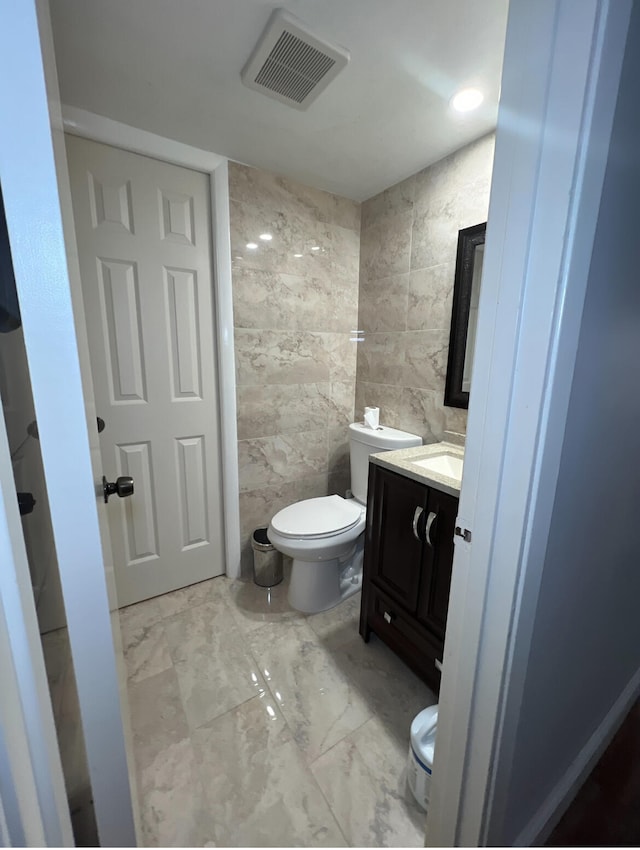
[381, 358]
[264, 411]
[424, 413]
[358, 409]
[412, 409]
[385, 396]
[295, 309]
[280, 357]
[267, 192]
[338, 450]
[342, 403]
[341, 248]
[452, 178]
[312, 249]
[450, 195]
[270, 300]
[430, 298]
[455, 419]
[384, 303]
[342, 353]
[385, 247]
[343, 303]
[425, 359]
[267, 461]
[290, 251]
[402, 364]
[393, 201]
[434, 237]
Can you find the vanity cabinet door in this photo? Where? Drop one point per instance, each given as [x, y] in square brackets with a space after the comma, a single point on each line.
[433, 602]
[398, 527]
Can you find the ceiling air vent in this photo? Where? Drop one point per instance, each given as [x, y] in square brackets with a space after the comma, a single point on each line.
[291, 64]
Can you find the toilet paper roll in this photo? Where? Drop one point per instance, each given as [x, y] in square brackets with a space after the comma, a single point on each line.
[372, 417]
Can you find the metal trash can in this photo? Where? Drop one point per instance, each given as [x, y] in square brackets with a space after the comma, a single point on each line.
[267, 561]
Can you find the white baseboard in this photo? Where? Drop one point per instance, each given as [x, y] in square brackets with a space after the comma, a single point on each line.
[557, 802]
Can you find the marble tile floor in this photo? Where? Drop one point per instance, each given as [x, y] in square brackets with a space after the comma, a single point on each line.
[254, 725]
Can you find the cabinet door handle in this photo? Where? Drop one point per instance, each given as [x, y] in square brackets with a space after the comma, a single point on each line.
[433, 516]
[416, 519]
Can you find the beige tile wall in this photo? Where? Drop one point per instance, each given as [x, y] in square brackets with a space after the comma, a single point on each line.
[295, 362]
[407, 265]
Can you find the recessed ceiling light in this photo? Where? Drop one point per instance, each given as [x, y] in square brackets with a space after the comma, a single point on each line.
[467, 99]
[266, 237]
[297, 255]
[252, 246]
[315, 248]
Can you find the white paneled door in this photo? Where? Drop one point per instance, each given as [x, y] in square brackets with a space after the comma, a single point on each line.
[144, 243]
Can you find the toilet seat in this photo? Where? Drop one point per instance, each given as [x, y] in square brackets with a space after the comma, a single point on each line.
[314, 519]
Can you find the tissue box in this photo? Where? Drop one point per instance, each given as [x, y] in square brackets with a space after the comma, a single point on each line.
[372, 417]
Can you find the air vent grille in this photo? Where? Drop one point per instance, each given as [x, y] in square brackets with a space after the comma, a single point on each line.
[291, 64]
[294, 68]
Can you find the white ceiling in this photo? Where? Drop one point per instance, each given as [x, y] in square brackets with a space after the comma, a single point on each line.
[173, 67]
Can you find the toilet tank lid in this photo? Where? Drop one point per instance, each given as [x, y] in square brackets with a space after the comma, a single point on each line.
[383, 437]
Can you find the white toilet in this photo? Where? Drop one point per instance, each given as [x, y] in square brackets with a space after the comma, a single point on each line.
[325, 536]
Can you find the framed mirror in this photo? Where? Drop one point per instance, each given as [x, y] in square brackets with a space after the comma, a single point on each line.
[464, 315]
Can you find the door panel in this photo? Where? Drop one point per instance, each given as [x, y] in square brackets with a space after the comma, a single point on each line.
[140, 525]
[438, 562]
[182, 310]
[119, 300]
[397, 559]
[193, 494]
[143, 230]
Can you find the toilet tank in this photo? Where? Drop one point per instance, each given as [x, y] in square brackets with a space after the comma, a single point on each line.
[366, 441]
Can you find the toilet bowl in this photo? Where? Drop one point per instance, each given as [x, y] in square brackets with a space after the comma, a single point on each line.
[325, 536]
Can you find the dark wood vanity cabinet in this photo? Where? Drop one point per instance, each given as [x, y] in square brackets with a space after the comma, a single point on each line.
[408, 556]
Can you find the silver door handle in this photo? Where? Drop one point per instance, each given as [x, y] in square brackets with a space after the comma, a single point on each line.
[416, 519]
[430, 520]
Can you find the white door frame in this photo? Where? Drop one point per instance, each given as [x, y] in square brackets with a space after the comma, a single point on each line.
[32, 196]
[561, 74]
[97, 128]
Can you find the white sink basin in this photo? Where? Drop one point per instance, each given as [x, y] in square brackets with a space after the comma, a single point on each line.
[444, 464]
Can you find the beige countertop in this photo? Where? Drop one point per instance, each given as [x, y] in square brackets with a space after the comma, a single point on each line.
[400, 461]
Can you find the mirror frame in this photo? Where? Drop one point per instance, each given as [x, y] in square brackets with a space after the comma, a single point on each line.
[468, 240]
